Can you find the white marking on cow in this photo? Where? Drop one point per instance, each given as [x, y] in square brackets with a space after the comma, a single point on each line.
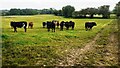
[23, 24]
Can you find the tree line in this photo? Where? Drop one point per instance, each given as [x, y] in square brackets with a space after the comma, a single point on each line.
[88, 12]
[117, 9]
[27, 11]
[67, 11]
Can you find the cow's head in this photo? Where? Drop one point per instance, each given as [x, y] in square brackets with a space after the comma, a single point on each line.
[94, 23]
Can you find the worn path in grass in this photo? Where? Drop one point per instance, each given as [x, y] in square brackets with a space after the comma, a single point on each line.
[77, 53]
[77, 56]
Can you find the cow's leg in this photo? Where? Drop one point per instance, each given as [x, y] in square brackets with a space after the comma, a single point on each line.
[48, 29]
[54, 29]
[43, 26]
[67, 28]
[62, 28]
[15, 29]
[72, 27]
[28, 26]
[31, 26]
[86, 28]
[25, 29]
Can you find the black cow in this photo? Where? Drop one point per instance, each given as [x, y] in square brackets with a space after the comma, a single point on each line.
[44, 24]
[57, 24]
[62, 25]
[69, 24]
[50, 25]
[89, 25]
[19, 25]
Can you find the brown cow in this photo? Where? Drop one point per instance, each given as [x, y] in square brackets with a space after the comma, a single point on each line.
[30, 25]
[56, 23]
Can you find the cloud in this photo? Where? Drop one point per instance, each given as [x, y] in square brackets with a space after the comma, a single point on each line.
[57, 4]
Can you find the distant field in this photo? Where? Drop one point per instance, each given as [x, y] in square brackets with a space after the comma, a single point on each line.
[39, 47]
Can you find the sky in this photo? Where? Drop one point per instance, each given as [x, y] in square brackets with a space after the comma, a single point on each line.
[57, 4]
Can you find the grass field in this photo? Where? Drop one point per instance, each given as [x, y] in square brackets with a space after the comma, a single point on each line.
[39, 47]
[40, 36]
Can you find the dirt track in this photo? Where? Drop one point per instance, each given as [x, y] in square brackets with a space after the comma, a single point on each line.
[94, 54]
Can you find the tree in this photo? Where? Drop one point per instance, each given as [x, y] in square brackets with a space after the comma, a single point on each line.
[83, 12]
[47, 11]
[92, 11]
[23, 11]
[104, 11]
[117, 9]
[58, 12]
[68, 10]
[76, 14]
[14, 11]
[51, 10]
[4, 12]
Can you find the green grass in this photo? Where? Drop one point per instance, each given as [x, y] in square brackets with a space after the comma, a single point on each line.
[50, 46]
[40, 36]
[103, 40]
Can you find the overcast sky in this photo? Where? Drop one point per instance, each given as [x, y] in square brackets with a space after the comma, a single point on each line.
[57, 4]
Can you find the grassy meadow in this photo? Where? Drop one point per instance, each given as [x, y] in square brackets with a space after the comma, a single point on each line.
[39, 36]
[39, 47]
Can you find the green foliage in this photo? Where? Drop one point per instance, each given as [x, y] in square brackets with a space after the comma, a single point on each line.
[68, 10]
[104, 11]
[58, 12]
[22, 12]
[47, 11]
[117, 9]
[90, 12]
[75, 14]
[15, 11]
